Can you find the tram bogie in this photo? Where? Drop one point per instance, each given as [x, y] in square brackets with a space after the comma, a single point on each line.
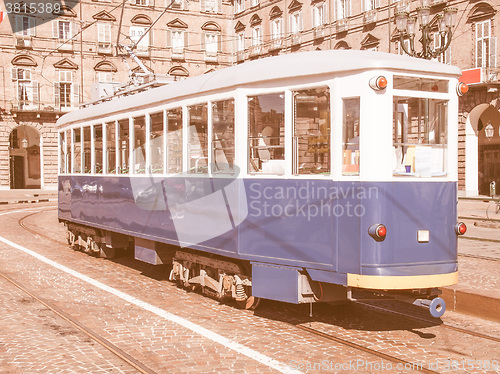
[296, 178]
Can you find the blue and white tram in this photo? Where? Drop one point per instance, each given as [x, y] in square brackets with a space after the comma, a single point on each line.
[298, 178]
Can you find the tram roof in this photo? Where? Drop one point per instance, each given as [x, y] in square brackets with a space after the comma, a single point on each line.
[293, 65]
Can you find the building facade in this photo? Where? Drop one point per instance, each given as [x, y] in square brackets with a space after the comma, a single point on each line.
[50, 68]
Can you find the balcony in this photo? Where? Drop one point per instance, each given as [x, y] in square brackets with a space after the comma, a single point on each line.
[276, 44]
[255, 50]
[24, 42]
[370, 16]
[296, 38]
[143, 52]
[64, 45]
[104, 48]
[211, 57]
[178, 54]
[342, 25]
[437, 2]
[318, 32]
[240, 56]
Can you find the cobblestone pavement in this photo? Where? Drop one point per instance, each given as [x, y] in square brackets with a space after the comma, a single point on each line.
[38, 341]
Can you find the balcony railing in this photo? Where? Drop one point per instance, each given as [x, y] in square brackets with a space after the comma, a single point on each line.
[342, 25]
[318, 32]
[211, 57]
[104, 48]
[370, 16]
[24, 41]
[178, 54]
[276, 44]
[296, 38]
[255, 50]
[240, 56]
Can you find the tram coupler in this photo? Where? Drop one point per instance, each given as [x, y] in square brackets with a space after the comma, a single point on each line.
[437, 306]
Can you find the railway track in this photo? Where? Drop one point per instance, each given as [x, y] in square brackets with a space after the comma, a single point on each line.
[302, 326]
[129, 360]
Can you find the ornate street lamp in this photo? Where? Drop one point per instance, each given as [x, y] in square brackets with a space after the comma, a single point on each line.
[406, 26]
[489, 131]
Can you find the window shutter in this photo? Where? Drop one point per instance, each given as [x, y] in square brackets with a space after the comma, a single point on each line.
[71, 30]
[493, 50]
[169, 38]
[219, 42]
[19, 25]
[479, 53]
[14, 74]
[219, 6]
[32, 25]
[186, 39]
[300, 21]
[27, 75]
[57, 93]
[203, 36]
[203, 7]
[55, 29]
[36, 95]
[75, 94]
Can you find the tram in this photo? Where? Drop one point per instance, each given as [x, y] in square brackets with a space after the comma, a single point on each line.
[301, 178]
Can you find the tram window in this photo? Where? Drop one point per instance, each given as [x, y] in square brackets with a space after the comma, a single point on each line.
[174, 140]
[139, 153]
[87, 151]
[223, 136]
[62, 153]
[68, 151]
[420, 84]
[311, 140]
[420, 136]
[111, 147]
[266, 130]
[77, 146]
[350, 135]
[123, 146]
[198, 139]
[156, 137]
[98, 148]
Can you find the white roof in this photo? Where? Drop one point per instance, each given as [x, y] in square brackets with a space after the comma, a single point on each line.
[266, 69]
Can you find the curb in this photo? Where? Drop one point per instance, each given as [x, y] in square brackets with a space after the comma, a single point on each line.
[28, 201]
[472, 304]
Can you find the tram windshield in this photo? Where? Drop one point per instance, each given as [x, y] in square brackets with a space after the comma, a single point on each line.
[420, 136]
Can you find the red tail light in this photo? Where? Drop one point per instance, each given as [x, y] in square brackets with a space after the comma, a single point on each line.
[462, 88]
[378, 232]
[460, 228]
[378, 83]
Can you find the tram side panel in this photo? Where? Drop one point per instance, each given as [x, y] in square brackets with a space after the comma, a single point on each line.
[420, 219]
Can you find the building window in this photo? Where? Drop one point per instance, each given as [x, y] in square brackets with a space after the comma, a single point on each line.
[343, 9]
[444, 57]
[177, 39]
[371, 5]
[296, 22]
[104, 37]
[256, 36]
[135, 34]
[319, 15]
[66, 92]
[254, 3]
[485, 45]
[140, 2]
[239, 6]
[25, 26]
[27, 90]
[240, 42]
[61, 29]
[211, 6]
[212, 43]
[276, 28]
[105, 77]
